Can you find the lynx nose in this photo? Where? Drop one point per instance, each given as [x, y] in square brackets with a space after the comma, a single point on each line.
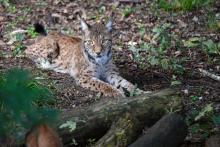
[98, 54]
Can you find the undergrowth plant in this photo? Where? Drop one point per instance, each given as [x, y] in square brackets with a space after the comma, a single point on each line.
[23, 103]
[212, 21]
[9, 6]
[127, 11]
[156, 53]
[197, 126]
[210, 48]
[182, 4]
[18, 44]
[164, 47]
[31, 32]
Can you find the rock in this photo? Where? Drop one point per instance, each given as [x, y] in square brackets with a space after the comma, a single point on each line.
[195, 19]
[71, 17]
[213, 141]
[65, 11]
[182, 24]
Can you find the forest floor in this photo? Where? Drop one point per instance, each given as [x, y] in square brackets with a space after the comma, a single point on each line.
[191, 41]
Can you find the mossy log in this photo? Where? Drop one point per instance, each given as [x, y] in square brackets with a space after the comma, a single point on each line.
[121, 133]
[95, 121]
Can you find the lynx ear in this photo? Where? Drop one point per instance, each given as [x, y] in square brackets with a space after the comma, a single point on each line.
[109, 24]
[84, 25]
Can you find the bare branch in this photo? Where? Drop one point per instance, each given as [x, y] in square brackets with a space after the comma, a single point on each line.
[210, 75]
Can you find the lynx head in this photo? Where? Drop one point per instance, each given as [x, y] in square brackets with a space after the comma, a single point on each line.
[97, 40]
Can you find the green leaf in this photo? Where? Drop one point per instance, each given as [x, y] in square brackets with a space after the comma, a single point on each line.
[153, 60]
[216, 119]
[194, 98]
[19, 37]
[192, 42]
[208, 108]
[69, 124]
[210, 47]
[194, 128]
[174, 83]
[164, 63]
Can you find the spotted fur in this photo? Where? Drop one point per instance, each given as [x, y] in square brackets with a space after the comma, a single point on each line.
[87, 59]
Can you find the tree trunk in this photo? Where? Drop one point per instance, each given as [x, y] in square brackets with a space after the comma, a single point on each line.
[93, 122]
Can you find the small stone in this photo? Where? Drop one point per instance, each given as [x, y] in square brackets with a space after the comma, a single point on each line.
[195, 18]
[182, 24]
[186, 91]
[65, 11]
[71, 17]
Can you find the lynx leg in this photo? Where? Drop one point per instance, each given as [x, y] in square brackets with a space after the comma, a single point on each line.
[94, 84]
[117, 81]
[120, 83]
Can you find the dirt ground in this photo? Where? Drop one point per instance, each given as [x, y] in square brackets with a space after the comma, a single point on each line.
[60, 15]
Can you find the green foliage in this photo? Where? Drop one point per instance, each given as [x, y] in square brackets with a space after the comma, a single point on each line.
[211, 48]
[192, 42]
[91, 141]
[31, 32]
[70, 125]
[155, 53]
[197, 125]
[212, 22]
[208, 108]
[194, 98]
[134, 92]
[142, 31]
[10, 26]
[40, 3]
[9, 6]
[127, 11]
[22, 103]
[174, 81]
[19, 47]
[182, 4]
[216, 120]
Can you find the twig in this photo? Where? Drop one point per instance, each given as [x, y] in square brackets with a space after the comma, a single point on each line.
[210, 75]
[17, 32]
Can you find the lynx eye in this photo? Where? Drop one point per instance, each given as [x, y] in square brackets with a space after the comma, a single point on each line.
[89, 42]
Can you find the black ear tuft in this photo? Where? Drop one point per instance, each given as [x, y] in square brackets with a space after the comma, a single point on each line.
[84, 26]
[39, 28]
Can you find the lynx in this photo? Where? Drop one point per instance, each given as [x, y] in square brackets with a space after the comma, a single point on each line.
[42, 136]
[87, 59]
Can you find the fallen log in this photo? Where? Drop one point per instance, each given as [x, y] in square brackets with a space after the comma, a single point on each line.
[121, 133]
[170, 131]
[93, 122]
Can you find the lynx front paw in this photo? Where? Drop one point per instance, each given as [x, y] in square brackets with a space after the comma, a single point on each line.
[112, 92]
